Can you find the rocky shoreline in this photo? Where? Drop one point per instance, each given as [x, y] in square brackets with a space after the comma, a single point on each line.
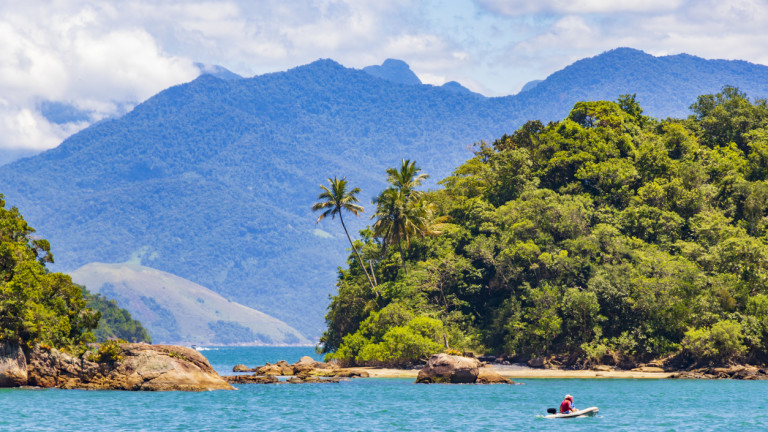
[441, 368]
[444, 368]
[306, 370]
[139, 367]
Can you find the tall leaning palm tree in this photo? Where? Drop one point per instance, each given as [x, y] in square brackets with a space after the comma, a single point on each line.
[335, 199]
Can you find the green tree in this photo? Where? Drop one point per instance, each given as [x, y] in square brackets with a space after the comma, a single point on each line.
[334, 201]
[401, 211]
[37, 306]
[407, 178]
[115, 322]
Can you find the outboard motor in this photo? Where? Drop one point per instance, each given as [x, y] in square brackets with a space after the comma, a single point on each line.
[551, 410]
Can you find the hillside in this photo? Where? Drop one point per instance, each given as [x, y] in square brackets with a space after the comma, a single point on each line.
[213, 180]
[177, 311]
[605, 238]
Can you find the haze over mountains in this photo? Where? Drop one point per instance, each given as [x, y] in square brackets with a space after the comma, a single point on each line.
[177, 311]
[213, 180]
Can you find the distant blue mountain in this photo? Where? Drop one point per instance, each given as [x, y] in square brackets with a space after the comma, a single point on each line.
[10, 155]
[213, 180]
[530, 84]
[396, 71]
[217, 71]
[455, 87]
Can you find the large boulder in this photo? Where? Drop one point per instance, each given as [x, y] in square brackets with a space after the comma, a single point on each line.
[446, 368]
[308, 364]
[141, 367]
[242, 368]
[280, 368]
[486, 375]
[13, 365]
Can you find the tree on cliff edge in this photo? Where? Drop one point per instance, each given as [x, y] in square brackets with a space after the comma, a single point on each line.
[37, 306]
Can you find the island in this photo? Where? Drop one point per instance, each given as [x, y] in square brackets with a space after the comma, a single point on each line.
[607, 241]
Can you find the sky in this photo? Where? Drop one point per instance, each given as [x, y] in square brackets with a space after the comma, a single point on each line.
[103, 57]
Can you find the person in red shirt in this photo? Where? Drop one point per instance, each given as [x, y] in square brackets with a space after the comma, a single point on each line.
[566, 407]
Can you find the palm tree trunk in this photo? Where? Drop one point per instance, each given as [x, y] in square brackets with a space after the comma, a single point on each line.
[402, 256]
[360, 260]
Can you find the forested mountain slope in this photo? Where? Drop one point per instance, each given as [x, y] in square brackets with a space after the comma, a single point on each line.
[213, 180]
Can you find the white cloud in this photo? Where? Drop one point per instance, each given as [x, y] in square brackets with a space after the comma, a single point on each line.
[428, 78]
[98, 55]
[559, 7]
[556, 33]
[77, 55]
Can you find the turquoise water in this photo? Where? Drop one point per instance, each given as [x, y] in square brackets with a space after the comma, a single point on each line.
[389, 405]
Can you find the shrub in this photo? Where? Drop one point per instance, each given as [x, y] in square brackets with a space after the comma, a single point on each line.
[720, 343]
[108, 352]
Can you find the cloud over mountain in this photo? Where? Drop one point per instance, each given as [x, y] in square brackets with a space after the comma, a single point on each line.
[101, 57]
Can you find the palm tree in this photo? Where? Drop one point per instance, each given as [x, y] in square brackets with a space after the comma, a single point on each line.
[407, 178]
[401, 211]
[333, 201]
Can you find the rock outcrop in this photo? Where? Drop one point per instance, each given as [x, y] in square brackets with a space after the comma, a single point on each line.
[139, 367]
[305, 365]
[538, 362]
[281, 368]
[486, 375]
[251, 379]
[735, 372]
[306, 370]
[313, 379]
[242, 368]
[308, 364]
[13, 365]
[446, 368]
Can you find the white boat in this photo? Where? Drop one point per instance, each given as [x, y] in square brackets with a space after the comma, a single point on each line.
[586, 412]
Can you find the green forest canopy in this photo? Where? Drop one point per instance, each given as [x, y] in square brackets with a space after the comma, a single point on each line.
[41, 307]
[606, 237]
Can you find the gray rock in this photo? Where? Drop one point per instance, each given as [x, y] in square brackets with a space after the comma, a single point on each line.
[13, 365]
[445, 368]
[487, 375]
[251, 379]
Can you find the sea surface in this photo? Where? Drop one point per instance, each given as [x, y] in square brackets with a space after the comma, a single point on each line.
[384, 404]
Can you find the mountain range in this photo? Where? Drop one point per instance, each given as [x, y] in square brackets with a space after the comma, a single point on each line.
[213, 180]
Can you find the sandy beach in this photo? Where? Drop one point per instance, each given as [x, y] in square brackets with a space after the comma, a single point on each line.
[522, 372]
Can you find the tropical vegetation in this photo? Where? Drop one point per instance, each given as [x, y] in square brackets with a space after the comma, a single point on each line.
[39, 307]
[115, 323]
[606, 237]
[134, 188]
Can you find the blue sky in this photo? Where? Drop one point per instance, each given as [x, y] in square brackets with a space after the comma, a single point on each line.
[100, 56]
